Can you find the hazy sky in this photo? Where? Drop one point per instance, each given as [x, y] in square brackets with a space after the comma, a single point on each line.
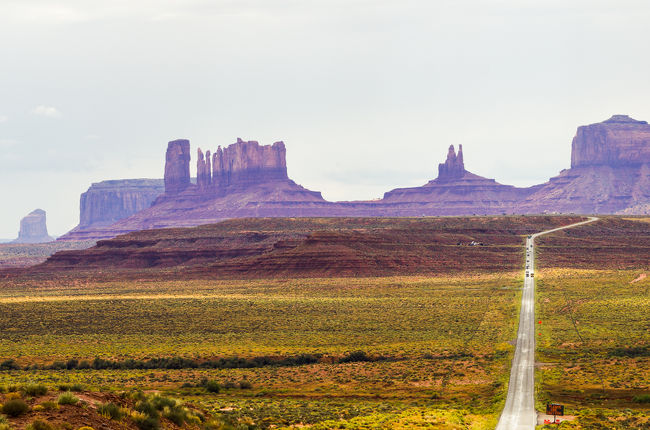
[367, 95]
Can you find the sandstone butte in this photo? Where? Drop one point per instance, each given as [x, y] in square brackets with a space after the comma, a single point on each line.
[609, 174]
[33, 228]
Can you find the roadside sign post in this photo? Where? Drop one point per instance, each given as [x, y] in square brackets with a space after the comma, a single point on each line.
[554, 409]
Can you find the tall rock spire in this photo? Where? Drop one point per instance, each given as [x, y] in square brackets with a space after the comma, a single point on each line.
[177, 166]
[453, 167]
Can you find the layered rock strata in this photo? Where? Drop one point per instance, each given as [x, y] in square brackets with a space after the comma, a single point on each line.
[455, 192]
[610, 173]
[33, 228]
[177, 166]
[107, 202]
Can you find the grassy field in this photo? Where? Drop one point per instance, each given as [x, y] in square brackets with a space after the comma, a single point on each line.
[594, 340]
[436, 350]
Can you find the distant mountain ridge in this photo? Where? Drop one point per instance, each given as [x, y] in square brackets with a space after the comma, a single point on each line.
[609, 174]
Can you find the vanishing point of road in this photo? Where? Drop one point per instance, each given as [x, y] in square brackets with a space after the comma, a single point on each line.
[519, 411]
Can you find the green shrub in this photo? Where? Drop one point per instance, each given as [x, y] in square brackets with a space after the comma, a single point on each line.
[34, 389]
[177, 415]
[355, 357]
[9, 365]
[160, 402]
[49, 406]
[147, 408]
[71, 387]
[39, 425]
[245, 385]
[212, 386]
[145, 422]
[67, 398]
[642, 398]
[110, 410]
[15, 407]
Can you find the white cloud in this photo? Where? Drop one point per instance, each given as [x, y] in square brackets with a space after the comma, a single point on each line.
[47, 111]
[3, 118]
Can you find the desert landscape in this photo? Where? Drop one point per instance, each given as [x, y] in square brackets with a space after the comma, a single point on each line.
[436, 216]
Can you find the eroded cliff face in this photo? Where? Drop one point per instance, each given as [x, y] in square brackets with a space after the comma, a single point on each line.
[109, 201]
[454, 167]
[33, 228]
[610, 174]
[177, 166]
[618, 141]
[230, 169]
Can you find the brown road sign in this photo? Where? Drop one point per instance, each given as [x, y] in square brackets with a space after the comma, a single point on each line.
[554, 409]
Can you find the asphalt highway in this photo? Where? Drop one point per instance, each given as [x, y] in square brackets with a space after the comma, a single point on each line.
[519, 411]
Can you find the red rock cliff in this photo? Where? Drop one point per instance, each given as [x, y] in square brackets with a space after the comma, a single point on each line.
[619, 141]
[247, 162]
[453, 167]
[177, 166]
[33, 228]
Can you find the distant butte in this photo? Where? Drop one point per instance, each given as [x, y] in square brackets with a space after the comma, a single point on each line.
[609, 174]
[33, 228]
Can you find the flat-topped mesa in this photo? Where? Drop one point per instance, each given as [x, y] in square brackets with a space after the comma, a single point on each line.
[618, 141]
[453, 167]
[177, 166]
[244, 163]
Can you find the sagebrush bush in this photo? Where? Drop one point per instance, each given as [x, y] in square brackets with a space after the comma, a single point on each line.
[110, 410]
[642, 398]
[39, 425]
[34, 389]
[145, 422]
[49, 406]
[67, 398]
[15, 407]
[212, 386]
[71, 387]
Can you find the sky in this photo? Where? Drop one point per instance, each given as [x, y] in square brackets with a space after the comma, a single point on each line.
[366, 94]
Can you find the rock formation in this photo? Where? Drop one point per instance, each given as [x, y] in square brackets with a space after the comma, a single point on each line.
[33, 228]
[245, 163]
[455, 192]
[618, 141]
[177, 166]
[610, 174]
[109, 201]
[454, 167]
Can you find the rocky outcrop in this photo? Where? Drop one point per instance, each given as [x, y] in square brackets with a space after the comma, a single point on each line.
[618, 141]
[33, 228]
[455, 192]
[244, 163]
[107, 202]
[177, 166]
[454, 167]
[610, 174]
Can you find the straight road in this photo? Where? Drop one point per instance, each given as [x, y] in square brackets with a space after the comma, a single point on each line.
[519, 411]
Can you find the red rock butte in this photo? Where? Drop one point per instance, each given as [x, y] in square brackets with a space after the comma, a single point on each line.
[609, 174]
